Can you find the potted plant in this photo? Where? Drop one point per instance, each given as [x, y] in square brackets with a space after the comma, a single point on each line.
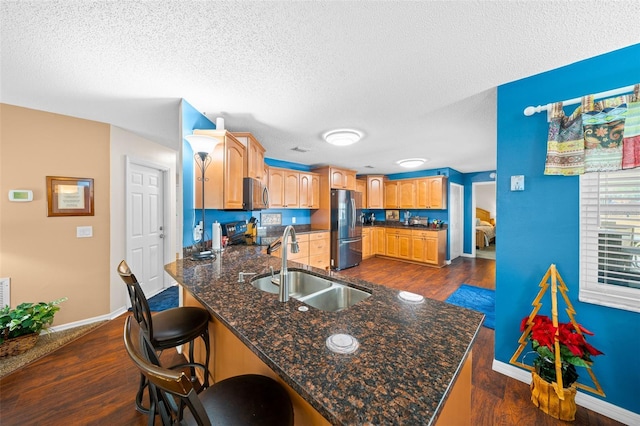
[21, 326]
[574, 351]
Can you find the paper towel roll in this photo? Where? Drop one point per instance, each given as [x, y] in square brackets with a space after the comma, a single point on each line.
[216, 232]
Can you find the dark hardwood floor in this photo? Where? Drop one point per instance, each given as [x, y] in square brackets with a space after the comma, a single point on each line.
[91, 381]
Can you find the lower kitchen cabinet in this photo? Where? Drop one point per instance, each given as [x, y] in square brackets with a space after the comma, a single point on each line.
[378, 241]
[429, 246]
[314, 250]
[319, 250]
[367, 241]
[398, 243]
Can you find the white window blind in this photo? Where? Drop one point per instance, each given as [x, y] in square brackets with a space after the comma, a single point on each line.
[610, 238]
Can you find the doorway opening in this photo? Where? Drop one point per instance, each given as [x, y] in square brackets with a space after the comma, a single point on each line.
[484, 220]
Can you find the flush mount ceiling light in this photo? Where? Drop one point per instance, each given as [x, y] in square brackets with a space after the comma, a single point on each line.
[410, 163]
[342, 137]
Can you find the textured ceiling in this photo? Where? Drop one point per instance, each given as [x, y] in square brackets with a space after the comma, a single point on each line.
[418, 78]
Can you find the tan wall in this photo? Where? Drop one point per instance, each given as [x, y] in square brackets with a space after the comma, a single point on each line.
[41, 254]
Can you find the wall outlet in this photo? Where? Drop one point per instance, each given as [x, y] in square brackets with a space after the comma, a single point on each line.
[293, 220]
[197, 232]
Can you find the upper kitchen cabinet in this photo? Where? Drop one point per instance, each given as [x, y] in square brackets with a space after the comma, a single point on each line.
[309, 184]
[391, 194]
[431, 193]
[399, 194]
[375, 192]
[255, 155]
[223, 183]
[361, 187]
[407, 190]
[285, 188]
[339, 178]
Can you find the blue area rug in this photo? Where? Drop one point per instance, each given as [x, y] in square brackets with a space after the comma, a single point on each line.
[164, 300]
[478, 299]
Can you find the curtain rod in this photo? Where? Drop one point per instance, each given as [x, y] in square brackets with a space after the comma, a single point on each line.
[530, 110]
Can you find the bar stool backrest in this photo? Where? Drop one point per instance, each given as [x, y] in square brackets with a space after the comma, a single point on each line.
[167, 384]
[139, 303]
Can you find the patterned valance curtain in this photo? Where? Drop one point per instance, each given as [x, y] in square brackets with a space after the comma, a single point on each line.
[596, 137]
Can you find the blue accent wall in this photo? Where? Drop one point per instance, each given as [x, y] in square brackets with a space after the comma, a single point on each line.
[540, 225]
[191, 119]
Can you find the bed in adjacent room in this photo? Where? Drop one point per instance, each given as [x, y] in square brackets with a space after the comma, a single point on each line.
[485, 228]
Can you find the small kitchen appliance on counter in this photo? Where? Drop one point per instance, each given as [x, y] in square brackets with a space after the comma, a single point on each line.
[235, 232]
[419, 221]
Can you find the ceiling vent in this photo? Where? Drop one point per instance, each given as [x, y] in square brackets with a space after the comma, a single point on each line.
[300, 149]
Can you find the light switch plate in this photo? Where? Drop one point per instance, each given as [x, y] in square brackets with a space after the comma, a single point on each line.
[84, 231]
[517, 183]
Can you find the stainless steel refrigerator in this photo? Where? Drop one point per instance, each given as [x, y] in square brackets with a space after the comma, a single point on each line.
[346, 228]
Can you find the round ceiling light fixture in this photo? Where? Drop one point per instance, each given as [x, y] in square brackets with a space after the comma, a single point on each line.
[342, 137]
[410, 163]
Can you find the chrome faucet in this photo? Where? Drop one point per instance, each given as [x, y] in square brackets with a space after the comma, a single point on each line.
[283, 294]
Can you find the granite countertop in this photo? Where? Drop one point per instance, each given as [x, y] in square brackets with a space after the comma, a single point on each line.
[409, 354]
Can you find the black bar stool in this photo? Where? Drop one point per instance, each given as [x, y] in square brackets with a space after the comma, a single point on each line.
[167, 329]
[248, 400]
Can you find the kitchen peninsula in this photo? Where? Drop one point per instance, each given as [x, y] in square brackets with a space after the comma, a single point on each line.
[413, 364]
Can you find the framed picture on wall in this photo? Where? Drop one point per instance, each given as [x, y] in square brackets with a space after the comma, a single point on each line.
[69, 196]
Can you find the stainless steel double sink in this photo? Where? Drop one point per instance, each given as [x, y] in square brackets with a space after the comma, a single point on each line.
[313, 290]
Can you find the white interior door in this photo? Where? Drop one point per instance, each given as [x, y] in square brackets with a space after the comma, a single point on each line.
[145, 226]
[456, 220]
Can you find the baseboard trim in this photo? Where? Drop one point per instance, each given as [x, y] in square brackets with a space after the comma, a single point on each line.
[86, 321]
[582, 399]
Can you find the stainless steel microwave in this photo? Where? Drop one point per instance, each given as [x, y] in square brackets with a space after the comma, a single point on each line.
[255, 195]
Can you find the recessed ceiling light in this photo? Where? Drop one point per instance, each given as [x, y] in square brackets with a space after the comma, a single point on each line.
[410, 163]
[342, 137]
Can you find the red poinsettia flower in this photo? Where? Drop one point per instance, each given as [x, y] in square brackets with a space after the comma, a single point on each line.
[543, 336]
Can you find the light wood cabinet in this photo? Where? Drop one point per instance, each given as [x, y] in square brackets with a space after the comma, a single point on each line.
[285, 189]
[223, 183]
[378, 236]
[421, 246]
[319, 250]
[407, 191]
[366, 243]
[309, 190]
[431, 193]
[399, 194]
[255, 154]
[314, 250]
[291, 189]
[429, 247]
[398, 243]
[391, 195]
[276, 188]
[375, 192]
[342, 178]
[361, 187]
[422, 193]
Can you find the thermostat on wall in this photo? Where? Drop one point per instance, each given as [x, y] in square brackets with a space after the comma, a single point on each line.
[20, 195]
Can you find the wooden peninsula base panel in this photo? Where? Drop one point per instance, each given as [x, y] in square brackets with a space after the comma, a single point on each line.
[230, 357]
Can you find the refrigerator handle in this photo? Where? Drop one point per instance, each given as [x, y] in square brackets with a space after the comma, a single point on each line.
[350, 241]
[353, 213]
